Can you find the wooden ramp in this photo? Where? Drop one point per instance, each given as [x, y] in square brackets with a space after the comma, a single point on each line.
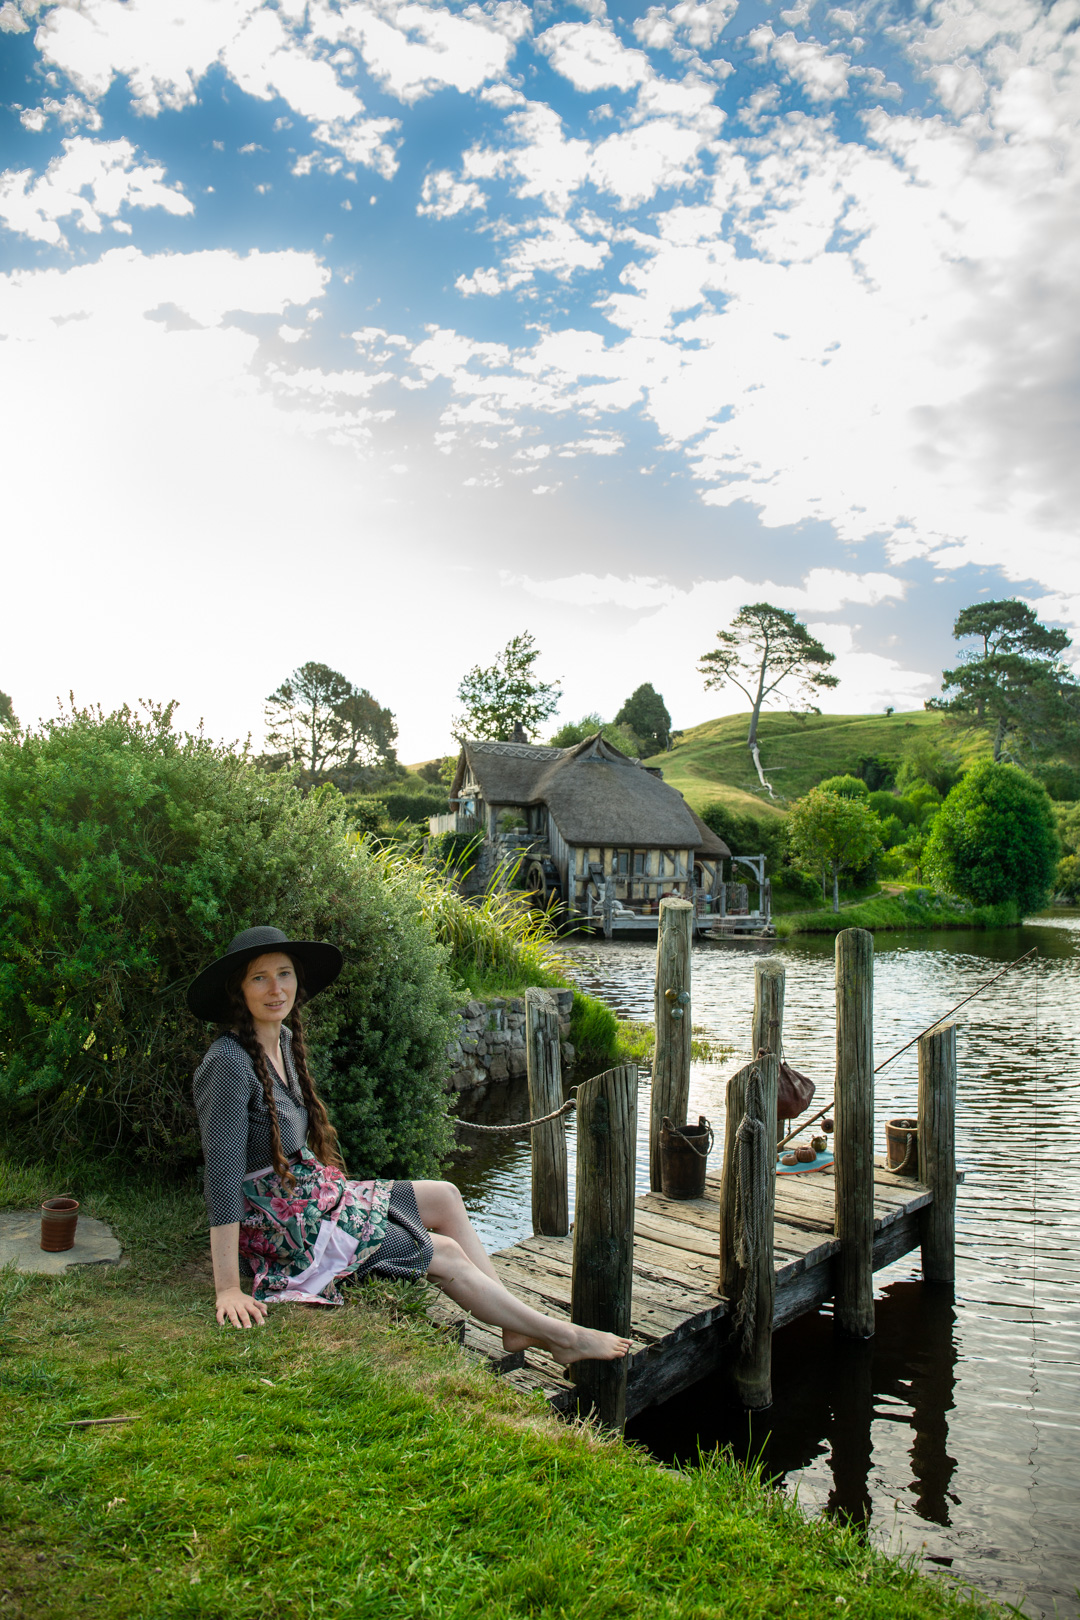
[677, 1323]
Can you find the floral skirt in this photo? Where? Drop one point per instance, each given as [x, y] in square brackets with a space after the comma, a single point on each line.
[302, 1242]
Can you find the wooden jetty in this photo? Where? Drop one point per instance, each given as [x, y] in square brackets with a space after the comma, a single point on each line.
[702, 1283]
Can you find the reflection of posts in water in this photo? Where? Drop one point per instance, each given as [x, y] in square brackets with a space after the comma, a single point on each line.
[932, 1385]
[853, 1416]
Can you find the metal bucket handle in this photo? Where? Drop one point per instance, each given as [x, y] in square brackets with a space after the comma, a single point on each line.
[675, 1131]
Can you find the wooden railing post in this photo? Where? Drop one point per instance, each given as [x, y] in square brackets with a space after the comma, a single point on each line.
[671, 1062]
[747, 1214]
[768, 1025]
[550, 1204]
[609, 906]
[603, 1273]
[854, 1141]
[937, 1150]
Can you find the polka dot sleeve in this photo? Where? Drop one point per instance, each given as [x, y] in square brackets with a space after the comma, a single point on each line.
[222, 1096]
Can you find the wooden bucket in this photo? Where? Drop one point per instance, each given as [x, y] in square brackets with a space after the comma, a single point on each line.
[683, 1152]
[902, 1146]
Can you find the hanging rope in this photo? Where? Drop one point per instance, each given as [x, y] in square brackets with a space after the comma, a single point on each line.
[513, 1130]
[752, 1173]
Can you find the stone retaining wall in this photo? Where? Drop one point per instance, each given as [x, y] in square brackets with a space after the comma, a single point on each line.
[491, 1046]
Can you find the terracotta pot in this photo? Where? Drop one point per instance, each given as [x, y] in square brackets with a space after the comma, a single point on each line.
[59, 1218]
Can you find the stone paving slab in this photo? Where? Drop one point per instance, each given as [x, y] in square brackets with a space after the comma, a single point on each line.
[20, 1242]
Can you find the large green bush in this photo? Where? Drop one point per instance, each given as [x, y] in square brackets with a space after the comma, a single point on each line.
[994, 840]
[129, 856]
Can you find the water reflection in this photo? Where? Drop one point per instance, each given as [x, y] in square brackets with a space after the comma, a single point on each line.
[955, 1433]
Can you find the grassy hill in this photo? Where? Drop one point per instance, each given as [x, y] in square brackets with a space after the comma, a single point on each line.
[712, 761]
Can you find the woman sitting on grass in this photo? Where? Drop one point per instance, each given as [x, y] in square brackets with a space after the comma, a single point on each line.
[287, 1206]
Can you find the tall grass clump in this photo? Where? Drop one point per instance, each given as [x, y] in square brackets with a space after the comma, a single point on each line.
[130, 854]
[497, 940]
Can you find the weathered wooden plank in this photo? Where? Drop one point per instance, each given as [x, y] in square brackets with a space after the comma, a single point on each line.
[675, 1298]
[666, 1371]
[937, 1150]
[662, 1230]
[650, 1266]
[692, 1212]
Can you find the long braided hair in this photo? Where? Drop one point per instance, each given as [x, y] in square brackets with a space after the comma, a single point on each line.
[322, 1136]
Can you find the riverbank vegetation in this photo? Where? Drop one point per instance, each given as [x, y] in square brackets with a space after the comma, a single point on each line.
[883, 913]
[354, 1461]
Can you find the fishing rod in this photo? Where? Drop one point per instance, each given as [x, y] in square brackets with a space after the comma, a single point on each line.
[900, 1050]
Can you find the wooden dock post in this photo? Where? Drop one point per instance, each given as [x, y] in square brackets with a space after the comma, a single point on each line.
[609, 906]
[671, 1063]
[747, 1214]
[854, 1140]
[550, 1204]
[603, 1266]
[937, 1150]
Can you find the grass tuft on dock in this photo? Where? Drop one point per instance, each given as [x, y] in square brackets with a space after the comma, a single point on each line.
[351, 1462]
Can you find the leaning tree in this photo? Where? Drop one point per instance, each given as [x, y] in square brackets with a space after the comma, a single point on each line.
[767, 654]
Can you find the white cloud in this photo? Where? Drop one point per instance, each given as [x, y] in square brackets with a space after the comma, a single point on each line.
[69, 112]
[592, 57]
[443, 196]
[416, 49]
[11, 20]
[823, 76]
[107, 170]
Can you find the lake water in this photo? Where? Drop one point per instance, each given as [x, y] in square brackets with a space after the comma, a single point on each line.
[954, 1434]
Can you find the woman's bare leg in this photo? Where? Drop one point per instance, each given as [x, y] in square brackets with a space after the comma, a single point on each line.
[442, 1209]
[476, 1291]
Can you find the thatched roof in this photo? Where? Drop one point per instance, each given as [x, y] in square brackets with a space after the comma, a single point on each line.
[595, 794]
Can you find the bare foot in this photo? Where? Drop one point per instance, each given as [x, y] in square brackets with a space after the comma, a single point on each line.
[517, 1341]
[590, 1345]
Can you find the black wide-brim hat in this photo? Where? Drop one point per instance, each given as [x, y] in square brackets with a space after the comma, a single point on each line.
[207, 995]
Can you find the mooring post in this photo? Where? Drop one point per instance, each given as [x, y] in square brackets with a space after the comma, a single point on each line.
[603, 1273]
[767, 1031]
[854, 1140]
[747, 1213]
[937, 1150]
[671, 1060]
[609, 906]
[550, 1204]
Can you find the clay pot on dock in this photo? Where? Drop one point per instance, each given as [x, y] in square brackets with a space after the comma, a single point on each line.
[59, 1218]
[683, 1151]
[902, 1146]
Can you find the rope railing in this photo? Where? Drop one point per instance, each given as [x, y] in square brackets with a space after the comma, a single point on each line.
[514, 1130]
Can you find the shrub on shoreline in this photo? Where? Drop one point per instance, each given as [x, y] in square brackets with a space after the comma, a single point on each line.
[129, 855]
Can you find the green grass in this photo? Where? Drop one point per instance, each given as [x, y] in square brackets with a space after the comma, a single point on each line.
[354, 1463]
[886, 913]
[712, 762]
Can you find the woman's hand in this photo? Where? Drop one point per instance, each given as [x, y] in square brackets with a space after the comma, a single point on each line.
[234, 1306]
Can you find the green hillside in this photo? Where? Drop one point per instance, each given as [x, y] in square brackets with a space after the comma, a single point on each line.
[712, 762]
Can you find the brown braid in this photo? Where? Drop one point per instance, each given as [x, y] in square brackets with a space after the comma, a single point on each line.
[243, 1027]
[321, 1134]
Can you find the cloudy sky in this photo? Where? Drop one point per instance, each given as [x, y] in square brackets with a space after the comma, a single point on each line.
[375, 331]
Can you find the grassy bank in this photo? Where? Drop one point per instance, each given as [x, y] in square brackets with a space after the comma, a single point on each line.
[712, 764]
[887, 913]
[352, 1463]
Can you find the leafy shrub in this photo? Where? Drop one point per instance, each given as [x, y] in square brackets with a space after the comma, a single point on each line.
[1060, 781]
[746, 835]
[367, 815]
[848, 787]
[928, 760]
[456, 851]
[876, 771]
[891, 804]
[1067, 878]
[414, 806]
[129, 856]
[993, 839]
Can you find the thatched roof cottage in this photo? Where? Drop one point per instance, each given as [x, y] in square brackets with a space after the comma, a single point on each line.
[593, 822]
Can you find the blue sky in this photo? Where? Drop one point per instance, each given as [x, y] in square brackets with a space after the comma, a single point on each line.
[376, 332]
